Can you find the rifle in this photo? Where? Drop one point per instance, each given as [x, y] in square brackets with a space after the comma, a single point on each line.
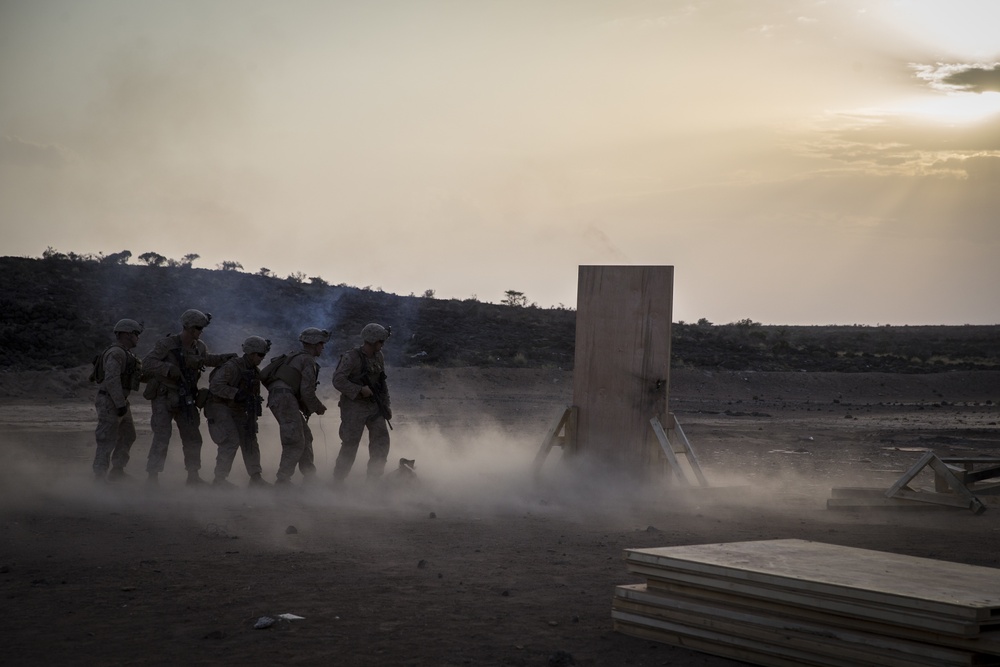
[377, 395]
[187, 387]
[251, 402]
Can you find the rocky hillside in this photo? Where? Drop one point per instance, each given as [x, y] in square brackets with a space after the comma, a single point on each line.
[57, 312]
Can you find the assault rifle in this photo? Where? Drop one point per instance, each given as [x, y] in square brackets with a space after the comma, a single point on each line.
[251, 402]
[187, 387]
[377, 394]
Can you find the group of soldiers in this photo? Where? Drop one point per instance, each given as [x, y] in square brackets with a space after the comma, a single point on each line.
[232, 402]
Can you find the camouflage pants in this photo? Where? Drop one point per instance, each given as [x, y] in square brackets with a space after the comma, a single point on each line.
[114, 435]
[188, 426]
[296, 437]
[355, 416]
[229, 431]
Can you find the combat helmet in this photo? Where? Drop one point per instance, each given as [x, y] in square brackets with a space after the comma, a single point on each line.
[373, 333]
[127, 326]
[195, 318]
[256, 345]
[313, 335]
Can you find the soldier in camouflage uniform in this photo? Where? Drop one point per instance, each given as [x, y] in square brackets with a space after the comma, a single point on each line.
[364, 403]
[118, 371]
[232, 411]
[175, 365]
[291, 396]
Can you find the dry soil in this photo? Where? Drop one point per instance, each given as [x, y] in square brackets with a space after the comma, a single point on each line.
[477, 563]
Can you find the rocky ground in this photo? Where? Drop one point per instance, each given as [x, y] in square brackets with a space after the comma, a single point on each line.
[478, 563]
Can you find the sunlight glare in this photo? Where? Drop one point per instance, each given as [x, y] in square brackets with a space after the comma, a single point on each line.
[953, 107]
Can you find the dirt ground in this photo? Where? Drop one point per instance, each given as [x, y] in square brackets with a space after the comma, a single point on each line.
[475, 564]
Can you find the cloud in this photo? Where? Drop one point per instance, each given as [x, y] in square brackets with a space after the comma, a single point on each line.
[885, 143]
[982, 168]
[972, 78]
[18, 152]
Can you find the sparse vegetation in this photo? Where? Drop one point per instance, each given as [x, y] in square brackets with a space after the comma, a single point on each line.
[152, 259]
[56, 313]
[514, 298]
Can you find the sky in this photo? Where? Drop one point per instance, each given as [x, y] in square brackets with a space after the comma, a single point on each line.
[795, 161]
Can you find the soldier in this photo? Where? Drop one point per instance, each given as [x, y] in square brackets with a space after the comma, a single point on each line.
[175, 365]
[232, 411]
[117, 370]
[364, 403]
[291, 396]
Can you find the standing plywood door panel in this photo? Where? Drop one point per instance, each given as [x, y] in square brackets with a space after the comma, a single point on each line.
[621, 371]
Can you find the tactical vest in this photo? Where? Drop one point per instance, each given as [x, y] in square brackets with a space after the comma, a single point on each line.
[248, 385]
[131, 374]
[371, 373]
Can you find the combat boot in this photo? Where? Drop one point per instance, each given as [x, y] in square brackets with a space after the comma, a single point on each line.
[258, 481]
[222, 483]
[194, 479]
[119, 475]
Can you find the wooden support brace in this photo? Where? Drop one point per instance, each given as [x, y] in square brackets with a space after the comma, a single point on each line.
[553, 438]
[695, 464]
[675, 465]
[964, 499]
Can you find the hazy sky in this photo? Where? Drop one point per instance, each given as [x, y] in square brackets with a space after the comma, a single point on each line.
[797, 162]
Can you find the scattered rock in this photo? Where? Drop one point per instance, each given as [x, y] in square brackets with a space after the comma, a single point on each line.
[264, 622]
[291, 530]
[421, 564]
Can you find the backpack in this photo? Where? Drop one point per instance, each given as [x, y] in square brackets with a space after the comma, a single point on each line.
[97, 373]
[278, 369]
[269, 373]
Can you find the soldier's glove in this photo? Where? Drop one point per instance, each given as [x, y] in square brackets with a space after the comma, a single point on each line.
[241, 396]
[229, 355]
[388, 413]
[173, 372]
[122, 410]
[321, 410]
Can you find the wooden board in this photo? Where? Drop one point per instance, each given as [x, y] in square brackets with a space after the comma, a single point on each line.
[790, 631]
[621, 371]
[721, 643]
[817, 571]
[893, 615]
[985, 643]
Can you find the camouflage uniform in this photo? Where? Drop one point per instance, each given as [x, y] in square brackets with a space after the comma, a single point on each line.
[291, 406]
[115, 429]
[173, 399]
[231, 412]
[354, 371]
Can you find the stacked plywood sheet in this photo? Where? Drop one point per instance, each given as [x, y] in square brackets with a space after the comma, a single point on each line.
[794, 602]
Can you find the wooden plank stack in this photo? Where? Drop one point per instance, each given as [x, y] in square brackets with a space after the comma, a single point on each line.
[795, 602]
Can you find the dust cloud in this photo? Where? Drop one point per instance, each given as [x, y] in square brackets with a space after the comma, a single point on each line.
[474, 472]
